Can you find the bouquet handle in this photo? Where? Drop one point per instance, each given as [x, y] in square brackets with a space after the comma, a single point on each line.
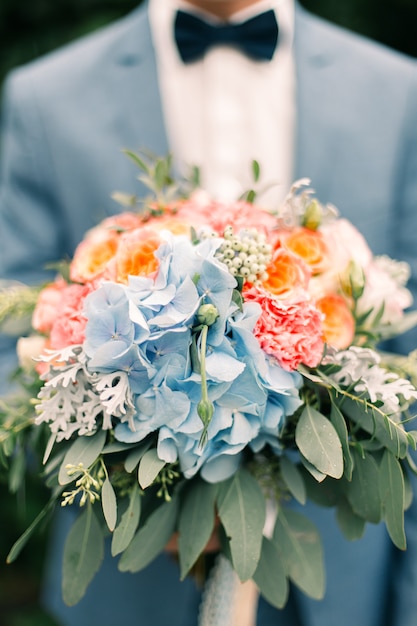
[226, 600]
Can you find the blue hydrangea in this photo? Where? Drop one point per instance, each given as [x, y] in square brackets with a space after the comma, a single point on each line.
[149, 330]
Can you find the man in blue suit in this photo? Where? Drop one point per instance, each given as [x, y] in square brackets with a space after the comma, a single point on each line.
[325, 104]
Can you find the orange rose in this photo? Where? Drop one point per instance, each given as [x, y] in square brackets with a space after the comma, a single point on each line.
[93, 255]
[309, 245]
[286, 273]
[338, 323]
[136, 254]
[173, 224]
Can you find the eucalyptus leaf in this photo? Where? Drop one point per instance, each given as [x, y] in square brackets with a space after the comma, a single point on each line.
[48, 448]
[125, 530]
[17, 470]
[242, 510]
[298, 542]
[351, 525]
[391, 486]
[270, 575]
[83, 554]
[338, 421]
[319, 443]
[363, 491]
[408, 491]
[84, 450]
[151, 538]
[412, 439]
[117, 446]
[317, 475]
[109, 504]
[23, 539]
[391, 434]
[135, 456]
[149, 467]
[324, 493]
[196, 522]
[293, 479]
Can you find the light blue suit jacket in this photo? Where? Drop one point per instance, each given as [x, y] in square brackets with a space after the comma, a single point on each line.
[66, 118]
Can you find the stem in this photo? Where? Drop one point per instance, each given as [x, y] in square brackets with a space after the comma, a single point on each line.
[205, 407]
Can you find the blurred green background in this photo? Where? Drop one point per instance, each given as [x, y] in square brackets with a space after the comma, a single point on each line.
[28, 30]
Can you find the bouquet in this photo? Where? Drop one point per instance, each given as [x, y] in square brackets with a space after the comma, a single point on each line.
[201, 365]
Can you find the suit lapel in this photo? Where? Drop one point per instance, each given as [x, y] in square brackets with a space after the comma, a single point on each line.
[133, 82]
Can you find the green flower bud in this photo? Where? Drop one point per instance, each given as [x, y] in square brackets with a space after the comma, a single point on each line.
[207, 314]
[205, 410]
[313, 215]
[354, 281]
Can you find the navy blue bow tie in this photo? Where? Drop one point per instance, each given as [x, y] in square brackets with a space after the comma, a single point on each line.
[256, 37]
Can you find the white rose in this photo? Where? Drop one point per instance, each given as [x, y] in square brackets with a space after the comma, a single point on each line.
[28, 349]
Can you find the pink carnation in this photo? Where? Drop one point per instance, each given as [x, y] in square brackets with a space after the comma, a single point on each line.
[69, 325]
[47, 306]
[199, 210]
[290, 331]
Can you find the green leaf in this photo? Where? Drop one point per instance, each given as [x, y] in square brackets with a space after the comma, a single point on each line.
[137, 160]
[149, 467]
[83, 554]
[298, 542]
[324, 493]
[125, 530]
[250, 196]
[23, 539]
[270, 575]
[391, 434]
[293, 479]
[408, 491]
[196, 522]
[135, 456]
[109, 504]
[391, 485]
[117, 446]
[17, 470]
[351, 525]
[151, 538]
[363, 490]
[338, 421]
[162, 177]
[84, 450]
[242, 510]
[256, 170]
[318, 476]
[319, 443]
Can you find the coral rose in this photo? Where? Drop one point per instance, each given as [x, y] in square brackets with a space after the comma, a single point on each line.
[286, 274]
[309, 245]
[136, 254]
[338, 323]
[69, 325]
[47, 306]
[289, 331]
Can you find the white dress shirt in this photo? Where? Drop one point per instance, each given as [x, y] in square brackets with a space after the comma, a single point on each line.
[226, 110]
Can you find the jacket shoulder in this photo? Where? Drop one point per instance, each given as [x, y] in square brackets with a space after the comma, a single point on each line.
[324, 38]
[84, 57]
